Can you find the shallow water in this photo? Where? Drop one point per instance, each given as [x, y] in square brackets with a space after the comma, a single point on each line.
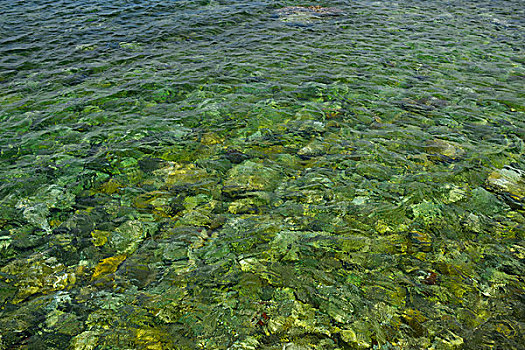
[228, 175]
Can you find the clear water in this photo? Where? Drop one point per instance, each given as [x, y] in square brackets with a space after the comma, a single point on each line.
[228, 175]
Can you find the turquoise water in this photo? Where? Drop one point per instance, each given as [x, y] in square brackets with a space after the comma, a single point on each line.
[238, 175]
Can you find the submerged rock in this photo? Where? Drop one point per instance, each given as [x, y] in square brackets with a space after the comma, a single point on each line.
[37, 208]
[313, 149]
[485, 202]
[85, 341]
[38, 274]
[421, 240]
[108, 266]
[509, 182]
[427, 212]
[252, 204]
[177, 174]
[127, 237]
[358, 335]
[251, 176]
[444, 150]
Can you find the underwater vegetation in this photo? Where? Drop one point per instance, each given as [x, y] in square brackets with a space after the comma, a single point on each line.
[262, 175]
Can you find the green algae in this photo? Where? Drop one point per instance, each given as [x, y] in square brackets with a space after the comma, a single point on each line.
[204, 175]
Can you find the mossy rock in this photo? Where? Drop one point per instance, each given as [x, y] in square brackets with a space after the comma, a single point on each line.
[251, 176]
[509, 182]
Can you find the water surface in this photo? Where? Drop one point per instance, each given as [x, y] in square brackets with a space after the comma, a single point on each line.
[228, 175]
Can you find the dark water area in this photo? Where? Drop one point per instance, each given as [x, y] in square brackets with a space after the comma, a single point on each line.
[262, 175]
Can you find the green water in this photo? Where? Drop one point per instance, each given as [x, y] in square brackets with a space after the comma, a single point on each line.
[229, 175]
